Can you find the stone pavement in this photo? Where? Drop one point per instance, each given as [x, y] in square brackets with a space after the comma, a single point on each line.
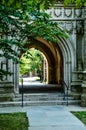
[50, 117]
[53, 118]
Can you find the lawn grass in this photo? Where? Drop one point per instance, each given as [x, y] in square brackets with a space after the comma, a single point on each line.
[81, 115]
[13, 121]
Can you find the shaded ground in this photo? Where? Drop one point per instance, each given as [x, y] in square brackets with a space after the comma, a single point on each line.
[31, 85]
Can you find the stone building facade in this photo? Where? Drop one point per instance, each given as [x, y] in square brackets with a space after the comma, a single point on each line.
[66, 60]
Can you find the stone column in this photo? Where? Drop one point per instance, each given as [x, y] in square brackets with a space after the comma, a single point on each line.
[6, 84]
[83, 96]
[16, 78]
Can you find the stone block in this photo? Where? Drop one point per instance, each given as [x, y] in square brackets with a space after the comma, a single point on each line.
[76, 96]
[83, 96]
[83, 100]
[6, 91]
[6, 97]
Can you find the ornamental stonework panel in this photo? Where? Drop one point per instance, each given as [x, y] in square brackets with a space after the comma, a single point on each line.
[58, 12]
[78, 13]
[69, 27]
[80, 27]
[68, 12]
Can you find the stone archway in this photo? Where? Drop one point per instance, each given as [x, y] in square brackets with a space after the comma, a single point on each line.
[54, 58]
[61, 59]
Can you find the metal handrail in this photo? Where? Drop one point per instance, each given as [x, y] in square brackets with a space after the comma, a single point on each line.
[67, 88]
[22, 94]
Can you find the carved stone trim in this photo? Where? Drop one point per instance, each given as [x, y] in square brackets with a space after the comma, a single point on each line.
[49, 11]
[58, 12]
[78, 12]
[68, 12]
[62, 24]
[69, 27]
[80, 27]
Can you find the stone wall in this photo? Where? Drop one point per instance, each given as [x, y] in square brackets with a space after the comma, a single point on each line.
[83, 96]
[73, 21]
[6, 91]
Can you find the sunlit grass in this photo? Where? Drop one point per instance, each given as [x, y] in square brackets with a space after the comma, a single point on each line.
[13, 121]
[81, 115]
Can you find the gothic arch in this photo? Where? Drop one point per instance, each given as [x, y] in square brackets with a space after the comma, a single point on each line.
[61, 58]
[65, 59]
[69, 59]
[53, 56]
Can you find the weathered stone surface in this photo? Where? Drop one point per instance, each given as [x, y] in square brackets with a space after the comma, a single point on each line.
[6, 91]
[83, 100]
[6, 97]
[76, 95]
[83, 95]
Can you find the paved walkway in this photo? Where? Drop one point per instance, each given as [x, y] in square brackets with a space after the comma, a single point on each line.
[53, 118]
[50, 117]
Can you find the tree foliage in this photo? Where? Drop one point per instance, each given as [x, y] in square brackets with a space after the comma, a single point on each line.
[35, 3]
[10, 40]
[26, 19]
[31, 61]
[78, 3]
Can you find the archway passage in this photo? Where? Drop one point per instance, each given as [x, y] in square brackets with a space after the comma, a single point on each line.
[33, 66]
[54, 58]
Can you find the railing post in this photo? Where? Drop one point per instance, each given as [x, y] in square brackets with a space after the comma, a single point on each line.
[67, 96]
[65, 85]
[22, 93]
[64, 91]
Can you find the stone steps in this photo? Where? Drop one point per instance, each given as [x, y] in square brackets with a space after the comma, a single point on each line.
[40, 99]
[38, 103]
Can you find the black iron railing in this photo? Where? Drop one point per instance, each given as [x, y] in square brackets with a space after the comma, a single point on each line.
[22, 93]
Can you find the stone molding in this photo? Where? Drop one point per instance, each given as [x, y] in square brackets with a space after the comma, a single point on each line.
[61, 12]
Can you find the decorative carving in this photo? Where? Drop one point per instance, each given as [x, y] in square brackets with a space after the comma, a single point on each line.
[58, 12]
[80, 65]
[68, 12]
[80, 27]
[49, 11]
[80, 76]
[78, 12]
[62, 24]
[69, 27]
[84, 76]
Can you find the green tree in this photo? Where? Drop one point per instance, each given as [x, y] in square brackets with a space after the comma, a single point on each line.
[78, 3]
[20, 20]
[26, 19]
[10, 40]
[31, 61]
